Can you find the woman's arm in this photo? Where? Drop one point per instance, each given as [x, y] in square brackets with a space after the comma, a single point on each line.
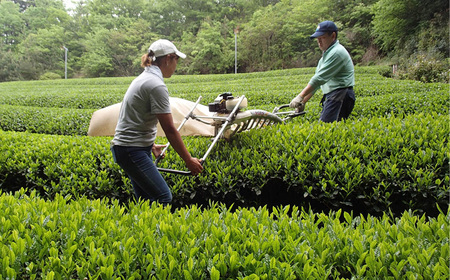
[172, 134]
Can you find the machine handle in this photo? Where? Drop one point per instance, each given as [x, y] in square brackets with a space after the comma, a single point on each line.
[276, 109]
[174, 171]
[290, 114]
[179, 172]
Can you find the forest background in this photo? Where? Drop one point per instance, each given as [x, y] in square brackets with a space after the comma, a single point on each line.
[107, 38]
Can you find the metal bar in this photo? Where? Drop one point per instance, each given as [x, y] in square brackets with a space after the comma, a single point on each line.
[178, 129]
[211, 117]
[174, 171]
[229, 119]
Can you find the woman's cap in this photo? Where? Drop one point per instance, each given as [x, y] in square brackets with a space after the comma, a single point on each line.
[324, 27]
[164, 47]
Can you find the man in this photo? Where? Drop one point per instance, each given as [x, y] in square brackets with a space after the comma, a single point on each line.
[334, 75]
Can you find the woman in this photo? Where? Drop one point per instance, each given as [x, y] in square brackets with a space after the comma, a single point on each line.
[146, 103]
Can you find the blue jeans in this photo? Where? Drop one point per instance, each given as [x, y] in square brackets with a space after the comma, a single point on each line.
[338, 105]
[147, 182]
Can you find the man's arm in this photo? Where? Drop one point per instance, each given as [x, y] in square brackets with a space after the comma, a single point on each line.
[300, 100]
[307, 93]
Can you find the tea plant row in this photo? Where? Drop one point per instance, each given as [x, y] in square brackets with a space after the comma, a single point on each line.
[274, 88]
[370, 164]
[72, 216]
[72, 121]
[95, 239]
[362, 170]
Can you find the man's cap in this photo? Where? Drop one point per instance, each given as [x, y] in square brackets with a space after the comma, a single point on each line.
[323, 28]
[164, 47]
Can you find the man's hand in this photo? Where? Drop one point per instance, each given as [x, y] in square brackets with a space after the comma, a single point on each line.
[300, 108]
[297, 103]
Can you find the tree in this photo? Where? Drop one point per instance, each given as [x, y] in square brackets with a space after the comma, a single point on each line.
[107, 38]
[354, 18]
[213, 49]
[116, 52]
[278, 36]
[43, 14]
[11, 25]
[9, 67]
[42, 52]
[399, 26]
[24, 4]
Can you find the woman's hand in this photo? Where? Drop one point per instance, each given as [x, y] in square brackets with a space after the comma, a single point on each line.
[157, 150]
[194, 165]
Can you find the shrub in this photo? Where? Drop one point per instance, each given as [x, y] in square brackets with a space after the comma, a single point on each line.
[367, 165]
[398, 138]
[94, 239]
[425, 68]
[49, 76]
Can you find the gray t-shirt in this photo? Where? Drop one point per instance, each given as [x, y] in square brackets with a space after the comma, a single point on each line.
[146, 96]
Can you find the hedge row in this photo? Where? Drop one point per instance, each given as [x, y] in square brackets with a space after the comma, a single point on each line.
[88, 239]
[268, 88]
[45, 120]
[366, 165]
[67, 121]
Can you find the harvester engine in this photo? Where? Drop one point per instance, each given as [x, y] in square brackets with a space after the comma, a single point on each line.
[225, 103]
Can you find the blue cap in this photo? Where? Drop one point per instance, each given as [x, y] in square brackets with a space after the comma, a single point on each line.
[324, 27]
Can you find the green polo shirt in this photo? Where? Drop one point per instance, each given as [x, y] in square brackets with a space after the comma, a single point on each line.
[335, 70]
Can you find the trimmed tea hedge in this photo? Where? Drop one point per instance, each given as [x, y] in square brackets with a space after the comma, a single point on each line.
[68, 121]
[263, 88]
[45, 120]
[87, 239]
[64, 107]
[391, 156]
[366, 165]
[392, 153]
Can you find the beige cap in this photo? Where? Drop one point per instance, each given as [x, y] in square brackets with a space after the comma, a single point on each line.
[164, 47]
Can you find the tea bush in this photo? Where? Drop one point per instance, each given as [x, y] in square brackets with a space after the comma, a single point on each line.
[45, 120]
[376, 96]
[365, 165]
[67, 211]
[267, 88]
[426, 68]
[95, 239]
[292, 163]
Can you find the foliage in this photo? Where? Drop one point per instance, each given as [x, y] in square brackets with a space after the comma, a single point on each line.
[60, 121]
[394, 144]
[74, 101]
[66, 210]
[112, 52]
[42, 52]
[367, 165]
[426, 68]
[108, 38]
[210, 52]
[93, 239]
[398, 21]
[49, 76]
[12, 25]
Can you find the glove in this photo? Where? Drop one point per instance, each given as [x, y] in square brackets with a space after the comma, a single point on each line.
[300, 108]
[297, 103]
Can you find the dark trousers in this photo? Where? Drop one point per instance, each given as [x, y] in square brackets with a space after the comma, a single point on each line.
[338, 104]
